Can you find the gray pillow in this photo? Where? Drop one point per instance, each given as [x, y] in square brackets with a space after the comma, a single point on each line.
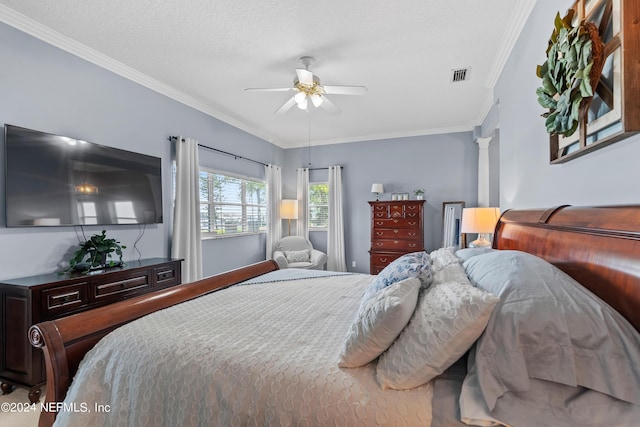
[549, 327]
[465, 254]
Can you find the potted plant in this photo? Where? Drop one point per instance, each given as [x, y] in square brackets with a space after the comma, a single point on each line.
[96, 253]
[419, 193]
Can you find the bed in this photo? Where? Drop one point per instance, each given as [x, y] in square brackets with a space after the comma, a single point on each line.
[277, 347]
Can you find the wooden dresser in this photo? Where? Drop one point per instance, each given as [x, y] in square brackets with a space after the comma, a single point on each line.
[396, 229]
[29, 300]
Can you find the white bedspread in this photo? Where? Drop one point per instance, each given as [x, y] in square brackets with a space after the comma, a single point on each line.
[263, 355]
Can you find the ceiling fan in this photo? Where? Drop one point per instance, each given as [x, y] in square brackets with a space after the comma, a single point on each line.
[308, 87]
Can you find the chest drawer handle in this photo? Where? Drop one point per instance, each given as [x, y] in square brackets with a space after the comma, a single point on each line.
[379, 243]
[379, 222]
[383, 260]
[412, 245]
[380, 233]
[395, 231]
[412, 223]
[395, 221]
[412, 234]
[411, 215]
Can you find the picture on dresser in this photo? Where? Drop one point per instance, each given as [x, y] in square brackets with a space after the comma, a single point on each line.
[451, 225]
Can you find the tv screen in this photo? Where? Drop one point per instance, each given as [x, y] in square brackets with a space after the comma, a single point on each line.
[53, 180]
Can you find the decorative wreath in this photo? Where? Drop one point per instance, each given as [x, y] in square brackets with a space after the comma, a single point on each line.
[570, 73]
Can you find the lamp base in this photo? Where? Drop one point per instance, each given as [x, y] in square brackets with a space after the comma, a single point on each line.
[481, 242]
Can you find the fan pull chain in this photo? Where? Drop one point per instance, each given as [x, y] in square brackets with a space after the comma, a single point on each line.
[309, 127]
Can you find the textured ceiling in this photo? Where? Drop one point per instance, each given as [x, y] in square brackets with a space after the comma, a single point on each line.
[204, 53]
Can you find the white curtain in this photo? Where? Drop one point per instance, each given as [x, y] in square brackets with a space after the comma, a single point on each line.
[302, 227]
[274, 197]
[185, 239]
[335, 241]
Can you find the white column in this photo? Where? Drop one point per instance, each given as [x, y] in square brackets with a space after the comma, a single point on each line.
[483, 171]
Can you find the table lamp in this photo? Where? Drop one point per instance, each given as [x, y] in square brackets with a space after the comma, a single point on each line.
[482, 221]
[289, 210]
[377, 189]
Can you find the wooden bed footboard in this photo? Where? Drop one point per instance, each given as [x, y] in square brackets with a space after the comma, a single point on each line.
[65, 341]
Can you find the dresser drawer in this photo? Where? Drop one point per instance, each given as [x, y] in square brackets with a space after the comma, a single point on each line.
[395, 233]
[66, 299]
[383, 259]
[396, 210]
[396, 245]
[166, 276]
[396, 223]
[124, 286]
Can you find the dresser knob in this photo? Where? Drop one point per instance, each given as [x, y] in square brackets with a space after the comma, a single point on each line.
[412, 245]
[383, 260]
[379, 233]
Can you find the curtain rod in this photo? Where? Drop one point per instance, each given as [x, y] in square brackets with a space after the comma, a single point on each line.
[320, 169]
[235, 156]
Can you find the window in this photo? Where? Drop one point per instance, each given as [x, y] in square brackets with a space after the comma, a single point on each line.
[231, 205]
[318, 205]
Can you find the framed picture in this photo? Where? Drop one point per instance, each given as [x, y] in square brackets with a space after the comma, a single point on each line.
[452, 224]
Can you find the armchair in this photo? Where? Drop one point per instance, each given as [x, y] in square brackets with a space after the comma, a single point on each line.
[298, 252]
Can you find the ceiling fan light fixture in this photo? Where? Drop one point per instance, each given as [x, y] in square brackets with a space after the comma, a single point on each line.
[301, 100]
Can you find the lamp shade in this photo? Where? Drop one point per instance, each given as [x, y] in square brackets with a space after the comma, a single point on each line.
[479, 220]
[289, 209]
[377, 188]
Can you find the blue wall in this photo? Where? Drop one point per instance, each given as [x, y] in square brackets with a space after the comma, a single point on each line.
[607, 176]
[48, 89]
[445, 165]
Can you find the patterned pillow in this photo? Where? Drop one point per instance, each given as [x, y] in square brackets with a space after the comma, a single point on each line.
[297, 256]
[379, 322]
[416, 264]
[448, 319]
[443, 257]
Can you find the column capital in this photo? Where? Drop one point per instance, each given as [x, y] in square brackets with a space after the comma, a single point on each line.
[483, 142]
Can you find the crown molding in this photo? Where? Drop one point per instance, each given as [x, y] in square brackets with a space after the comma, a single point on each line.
[379, 136]
[54, 38]
[516, 23]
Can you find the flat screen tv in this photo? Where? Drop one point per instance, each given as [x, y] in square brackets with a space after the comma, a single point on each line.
[53, 180]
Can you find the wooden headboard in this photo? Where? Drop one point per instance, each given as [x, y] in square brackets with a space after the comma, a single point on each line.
[597, 246]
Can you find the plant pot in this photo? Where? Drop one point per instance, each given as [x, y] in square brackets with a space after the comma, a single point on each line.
[420, 197]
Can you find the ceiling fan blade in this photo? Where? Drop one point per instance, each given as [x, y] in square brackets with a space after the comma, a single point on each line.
[304, 76]
[266, 89]
[329, 106]
[286, 106]
[316, 100]
[345, 90]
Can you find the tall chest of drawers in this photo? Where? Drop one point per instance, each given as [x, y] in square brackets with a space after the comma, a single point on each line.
[396, 229]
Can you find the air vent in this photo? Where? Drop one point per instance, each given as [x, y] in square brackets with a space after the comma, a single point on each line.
[460, 75]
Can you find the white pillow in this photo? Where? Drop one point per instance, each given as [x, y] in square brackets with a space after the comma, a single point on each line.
[449, 318]
[443, 257]
[297, 256]
[379, 322]
[451, 273]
